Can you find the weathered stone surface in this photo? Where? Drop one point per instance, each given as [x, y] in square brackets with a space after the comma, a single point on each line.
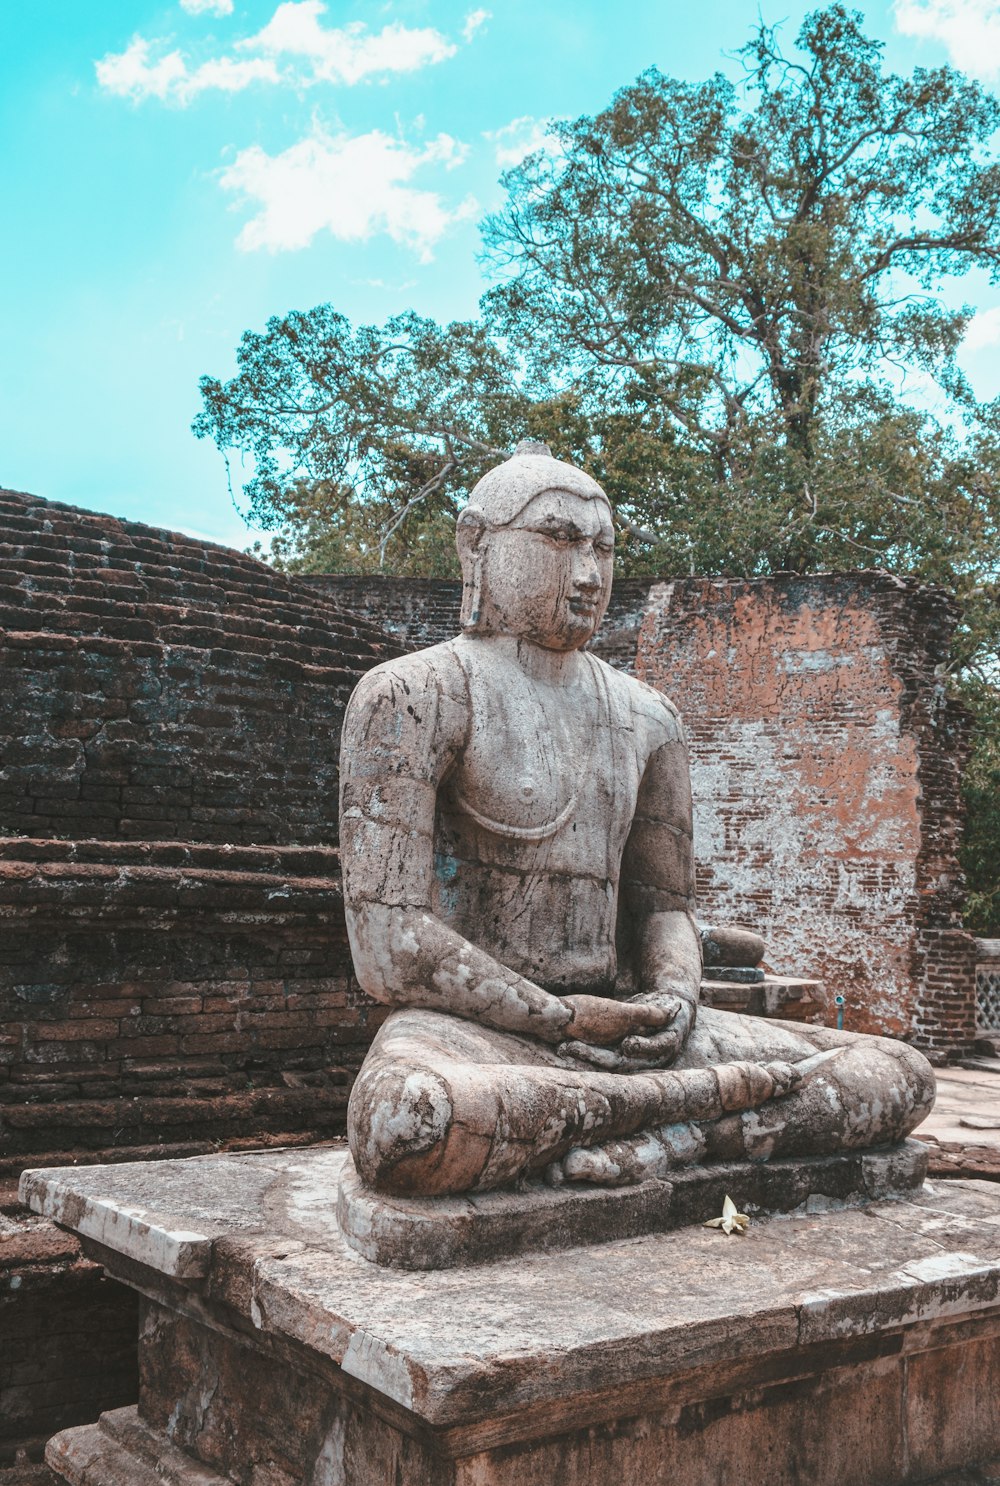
[788, 997]
[844, 1348]
[731, 945]
[441, 1232]
[607, 1314]
[122, 1451]
[747, 975]
[519, 884]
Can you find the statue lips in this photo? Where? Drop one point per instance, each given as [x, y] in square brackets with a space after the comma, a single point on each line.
[585, 607]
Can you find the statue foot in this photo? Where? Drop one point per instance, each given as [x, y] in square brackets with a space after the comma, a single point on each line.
[595, 1164]
[588, 1165]
[624, 1163]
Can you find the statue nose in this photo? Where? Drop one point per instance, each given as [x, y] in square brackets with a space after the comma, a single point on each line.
[587, 574]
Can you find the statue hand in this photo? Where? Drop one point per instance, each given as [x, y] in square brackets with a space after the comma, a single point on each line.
[660, 1049]
[634, 1054]
[601, 1022]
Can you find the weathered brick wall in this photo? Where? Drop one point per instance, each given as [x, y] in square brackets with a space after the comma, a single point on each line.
[172, 992]
[165, 995]
[174, 966]
[156, 687]
[826, 764]
[67, 1336]
[414, 611]
[424, 611]
[826, 761]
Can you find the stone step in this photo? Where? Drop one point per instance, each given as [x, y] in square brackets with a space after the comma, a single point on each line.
[121, 1451]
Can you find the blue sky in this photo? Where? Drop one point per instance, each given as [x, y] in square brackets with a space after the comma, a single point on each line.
[174, 173]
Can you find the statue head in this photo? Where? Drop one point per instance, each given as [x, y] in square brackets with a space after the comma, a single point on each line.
[536, 543]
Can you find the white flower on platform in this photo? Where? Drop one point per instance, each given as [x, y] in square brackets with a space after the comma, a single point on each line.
[731, 1220]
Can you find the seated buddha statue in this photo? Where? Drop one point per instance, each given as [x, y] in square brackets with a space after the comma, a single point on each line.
[516, 836]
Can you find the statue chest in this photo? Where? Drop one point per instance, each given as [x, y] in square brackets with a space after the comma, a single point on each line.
[543, 767]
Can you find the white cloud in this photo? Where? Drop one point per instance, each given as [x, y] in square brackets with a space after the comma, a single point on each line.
[520, 137]
[207, 7]
[350, 186]
[968, 29]
[292, 37]
[473, 21]
[983, 331]
[349, 53]
[131, 74]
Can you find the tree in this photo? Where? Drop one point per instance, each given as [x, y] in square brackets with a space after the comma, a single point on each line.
[748, 268]
[980, 854]
[707, 295]
[747, 280]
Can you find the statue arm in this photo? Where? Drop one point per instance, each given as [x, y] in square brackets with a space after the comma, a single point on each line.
[404, 727]
[658, 892]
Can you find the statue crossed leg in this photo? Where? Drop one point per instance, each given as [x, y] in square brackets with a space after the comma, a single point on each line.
[444, 1106]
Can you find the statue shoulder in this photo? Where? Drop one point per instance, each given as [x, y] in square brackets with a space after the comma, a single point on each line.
[423, 691]
[653, 714]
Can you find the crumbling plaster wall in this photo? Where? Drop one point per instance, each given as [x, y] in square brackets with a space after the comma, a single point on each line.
[826, 763]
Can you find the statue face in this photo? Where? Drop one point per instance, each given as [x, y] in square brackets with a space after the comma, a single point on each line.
[547, 576]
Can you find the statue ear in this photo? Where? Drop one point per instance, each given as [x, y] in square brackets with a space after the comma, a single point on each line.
[469, 532]
[469, 535]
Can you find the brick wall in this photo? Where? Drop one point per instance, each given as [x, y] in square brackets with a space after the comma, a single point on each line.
[826, 762]
[167, 995]
[68, 1336]
[174, 967]
[163, 988]
[424, 611]
[156, 687]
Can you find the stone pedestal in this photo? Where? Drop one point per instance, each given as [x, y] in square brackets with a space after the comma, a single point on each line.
[789, 997]
[858, 1346]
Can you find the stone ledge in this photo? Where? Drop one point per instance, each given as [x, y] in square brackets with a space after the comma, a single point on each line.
[849, 1348]
[787, 996]
[562, 1332]
[443, 1232]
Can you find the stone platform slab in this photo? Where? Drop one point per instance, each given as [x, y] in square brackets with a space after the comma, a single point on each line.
[441, 1232]
[859, 1347]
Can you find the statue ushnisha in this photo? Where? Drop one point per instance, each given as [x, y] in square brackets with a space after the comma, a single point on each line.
[518, 875]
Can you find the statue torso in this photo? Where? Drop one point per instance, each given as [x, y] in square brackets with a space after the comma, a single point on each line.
[533, 815]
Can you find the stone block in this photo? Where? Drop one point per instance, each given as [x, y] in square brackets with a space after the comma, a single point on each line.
[441, 1232]
[856, 1347]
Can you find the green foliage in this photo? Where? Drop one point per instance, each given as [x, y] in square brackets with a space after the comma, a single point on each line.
[741, 282]
[700, 295]
[981, 787]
